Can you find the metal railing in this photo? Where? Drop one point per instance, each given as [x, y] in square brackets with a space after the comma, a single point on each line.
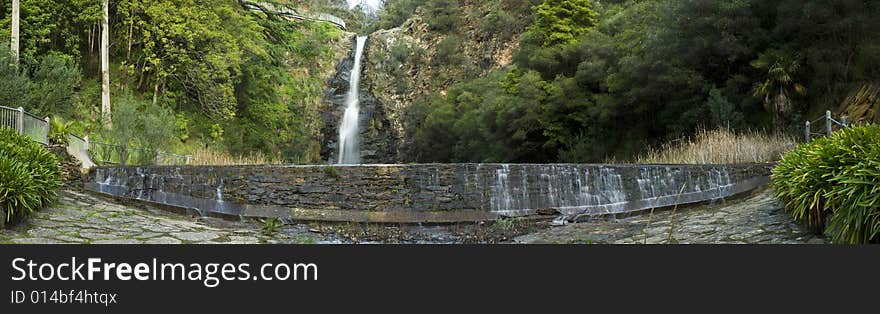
[25, 123]
[37, 129]
[830, 126]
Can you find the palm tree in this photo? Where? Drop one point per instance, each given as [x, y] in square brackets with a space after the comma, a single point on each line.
[779, 85]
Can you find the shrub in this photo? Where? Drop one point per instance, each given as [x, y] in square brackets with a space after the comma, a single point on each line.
[835, 180]
[448, 50]
[29, 176]
[58, 130]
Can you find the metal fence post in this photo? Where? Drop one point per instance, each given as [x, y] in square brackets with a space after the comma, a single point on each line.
[844, 122]
[828, 122]
[19, 123]
[47, 129]
[807, 132]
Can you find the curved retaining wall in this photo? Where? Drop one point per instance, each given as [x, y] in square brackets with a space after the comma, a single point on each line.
[426, 192]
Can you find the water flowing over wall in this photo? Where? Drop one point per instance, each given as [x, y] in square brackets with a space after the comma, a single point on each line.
[427, 192]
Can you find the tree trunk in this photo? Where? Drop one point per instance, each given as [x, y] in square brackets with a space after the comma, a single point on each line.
[15, 30]
[130, 30]
[156, 92]
[105, 67]
[782, 107]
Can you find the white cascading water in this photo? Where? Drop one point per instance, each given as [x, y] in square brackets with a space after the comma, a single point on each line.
[349, 132]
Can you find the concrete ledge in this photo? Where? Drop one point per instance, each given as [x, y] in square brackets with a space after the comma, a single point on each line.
[426, 193]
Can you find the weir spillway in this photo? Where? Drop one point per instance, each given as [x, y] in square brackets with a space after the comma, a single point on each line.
[416, 193]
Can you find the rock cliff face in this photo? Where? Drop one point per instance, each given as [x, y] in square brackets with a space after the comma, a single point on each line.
[409, 63]
[377, 142]
[863, 104]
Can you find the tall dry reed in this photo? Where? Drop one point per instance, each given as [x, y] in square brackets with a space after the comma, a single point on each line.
[721, 146]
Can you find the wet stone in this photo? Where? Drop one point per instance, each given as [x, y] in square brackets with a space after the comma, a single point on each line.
[102, 222]
[196, 236]
[163, 240]
[755, 218]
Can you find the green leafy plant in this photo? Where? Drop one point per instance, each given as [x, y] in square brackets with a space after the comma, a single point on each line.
[507, 224]
[834, 182]
[272, 225]
[29, 176]
[331, 172]
[58, 130]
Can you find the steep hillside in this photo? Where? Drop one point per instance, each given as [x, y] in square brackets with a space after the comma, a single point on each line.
[863, 104]
[408, 63]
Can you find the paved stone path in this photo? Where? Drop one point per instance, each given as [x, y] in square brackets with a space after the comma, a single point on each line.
[754, 219]
[81, 218]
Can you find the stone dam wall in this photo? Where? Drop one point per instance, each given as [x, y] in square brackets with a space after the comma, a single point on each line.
[433, 193]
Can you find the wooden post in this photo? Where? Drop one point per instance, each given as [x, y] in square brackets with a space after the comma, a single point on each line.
[828, 122]
[15, 30]
[807, 132]
[19, 121]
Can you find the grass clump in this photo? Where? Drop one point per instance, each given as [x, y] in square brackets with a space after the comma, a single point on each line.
[29, 176]
[721, 146]
[832, 184]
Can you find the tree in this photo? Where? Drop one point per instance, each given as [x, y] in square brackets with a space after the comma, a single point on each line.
[562, 21]
[15, 29]
[105, 67]
[779, 85]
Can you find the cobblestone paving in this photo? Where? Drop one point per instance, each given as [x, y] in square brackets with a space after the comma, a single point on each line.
[80, 218]
[753, 219]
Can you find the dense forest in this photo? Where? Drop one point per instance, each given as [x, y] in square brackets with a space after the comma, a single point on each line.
[598, 80]
[184, 73]
[591, 80]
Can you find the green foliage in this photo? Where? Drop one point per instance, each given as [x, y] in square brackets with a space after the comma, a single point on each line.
[560, 22]
[722, 113]
[394, 12]
[598, 80]
[498, 22]
[14, 85]
[61, 26]
[29, 176]
[780, 84]
[331, 171]
[272, 225]
[448, 50]
[507, 224]
[44, 86]
[58, 130]
[53, 83]
[137, 124]
[835, 177]
[442, 15]
[402, 55]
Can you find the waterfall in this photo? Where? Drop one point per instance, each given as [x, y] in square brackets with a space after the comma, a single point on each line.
[349, 153]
